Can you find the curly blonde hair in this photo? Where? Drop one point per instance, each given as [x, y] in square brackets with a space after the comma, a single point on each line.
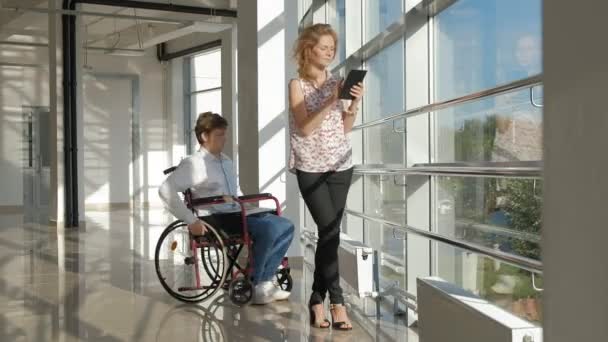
[308, 38]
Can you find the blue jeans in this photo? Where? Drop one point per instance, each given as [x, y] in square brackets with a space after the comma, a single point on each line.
[271, 236]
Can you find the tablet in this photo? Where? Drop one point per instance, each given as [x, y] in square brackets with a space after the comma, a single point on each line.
[354, 76]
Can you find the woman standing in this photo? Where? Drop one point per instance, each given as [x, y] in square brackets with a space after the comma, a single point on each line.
[321, 158]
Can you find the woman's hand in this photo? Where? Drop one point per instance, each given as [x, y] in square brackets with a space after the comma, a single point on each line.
[357, 92]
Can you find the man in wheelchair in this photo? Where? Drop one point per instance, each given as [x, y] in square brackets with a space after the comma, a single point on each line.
[209, 172]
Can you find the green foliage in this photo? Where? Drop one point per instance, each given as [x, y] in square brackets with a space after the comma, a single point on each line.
[476, 199]
[523, 208]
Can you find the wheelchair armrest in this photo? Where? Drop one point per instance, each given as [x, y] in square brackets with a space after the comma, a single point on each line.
[169, 170]
[255, 196]
[206, 201]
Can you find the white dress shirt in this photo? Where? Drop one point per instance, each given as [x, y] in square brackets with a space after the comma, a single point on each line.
[205, 175]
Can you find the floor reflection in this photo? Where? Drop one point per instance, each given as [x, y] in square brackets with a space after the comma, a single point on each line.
[98, 283]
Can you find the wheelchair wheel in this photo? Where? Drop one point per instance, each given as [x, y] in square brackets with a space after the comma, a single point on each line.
[240, 291]
[284, 279]
[209, 262]
[180, 269]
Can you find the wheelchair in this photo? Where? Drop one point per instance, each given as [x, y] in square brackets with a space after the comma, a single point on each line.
[193, 268]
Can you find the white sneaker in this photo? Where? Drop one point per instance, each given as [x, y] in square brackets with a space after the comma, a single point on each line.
[262, 293]
[279, 294]
[266, 292]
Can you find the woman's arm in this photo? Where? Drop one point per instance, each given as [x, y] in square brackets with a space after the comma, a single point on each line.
[305, 123]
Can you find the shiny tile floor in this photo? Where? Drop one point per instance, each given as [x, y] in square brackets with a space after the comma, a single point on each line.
[99, 284]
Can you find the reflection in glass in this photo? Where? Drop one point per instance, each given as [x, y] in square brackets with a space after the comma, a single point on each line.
[380, 14]
[499, 213]
[482, 43]
[504, 128]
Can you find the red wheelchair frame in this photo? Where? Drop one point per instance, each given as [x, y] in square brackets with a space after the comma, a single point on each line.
[240, 288]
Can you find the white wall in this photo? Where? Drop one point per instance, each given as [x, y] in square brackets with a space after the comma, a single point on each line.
[153, 129]
[270, 29]
[575, 218]
[19, 86]
[108, 106]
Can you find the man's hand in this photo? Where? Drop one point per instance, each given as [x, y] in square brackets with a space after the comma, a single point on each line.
[197, 228]
[228, 199]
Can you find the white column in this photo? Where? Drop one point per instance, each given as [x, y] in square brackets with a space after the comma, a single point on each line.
[266, 33]
[247, 95]
[229, 73]
[575, 231]
[55, 202]
[417, 145]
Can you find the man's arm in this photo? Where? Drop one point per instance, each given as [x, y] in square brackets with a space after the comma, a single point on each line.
[178, 181]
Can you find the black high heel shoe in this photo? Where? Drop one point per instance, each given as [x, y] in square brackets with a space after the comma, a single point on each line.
[313, 320]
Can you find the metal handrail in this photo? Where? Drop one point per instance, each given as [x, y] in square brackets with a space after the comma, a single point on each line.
[531, 169]
[528, 264]
[525, 236]
[503, 89]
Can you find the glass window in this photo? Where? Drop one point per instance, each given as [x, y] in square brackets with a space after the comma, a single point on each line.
[336, 15]
[504, 128]
[504, 214]
[385, 89]
[304, 8]
[392, 254]
[205, 86]
[479, 44]
[385, 86]
[379, 15]
[385, 197]
[476, 45]
[205, 102]
[207, 70]
[307, 20]
[472, 45]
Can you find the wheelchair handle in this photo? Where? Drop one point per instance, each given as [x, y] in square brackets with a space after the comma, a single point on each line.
[255, 196]
[192, 202]
[169, 170]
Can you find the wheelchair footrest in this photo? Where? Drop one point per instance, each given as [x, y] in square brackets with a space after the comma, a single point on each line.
[184, 289]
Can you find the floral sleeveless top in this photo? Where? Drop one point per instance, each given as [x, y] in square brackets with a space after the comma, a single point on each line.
[327, 148]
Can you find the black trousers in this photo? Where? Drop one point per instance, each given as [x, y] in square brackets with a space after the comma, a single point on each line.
[325, 196]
